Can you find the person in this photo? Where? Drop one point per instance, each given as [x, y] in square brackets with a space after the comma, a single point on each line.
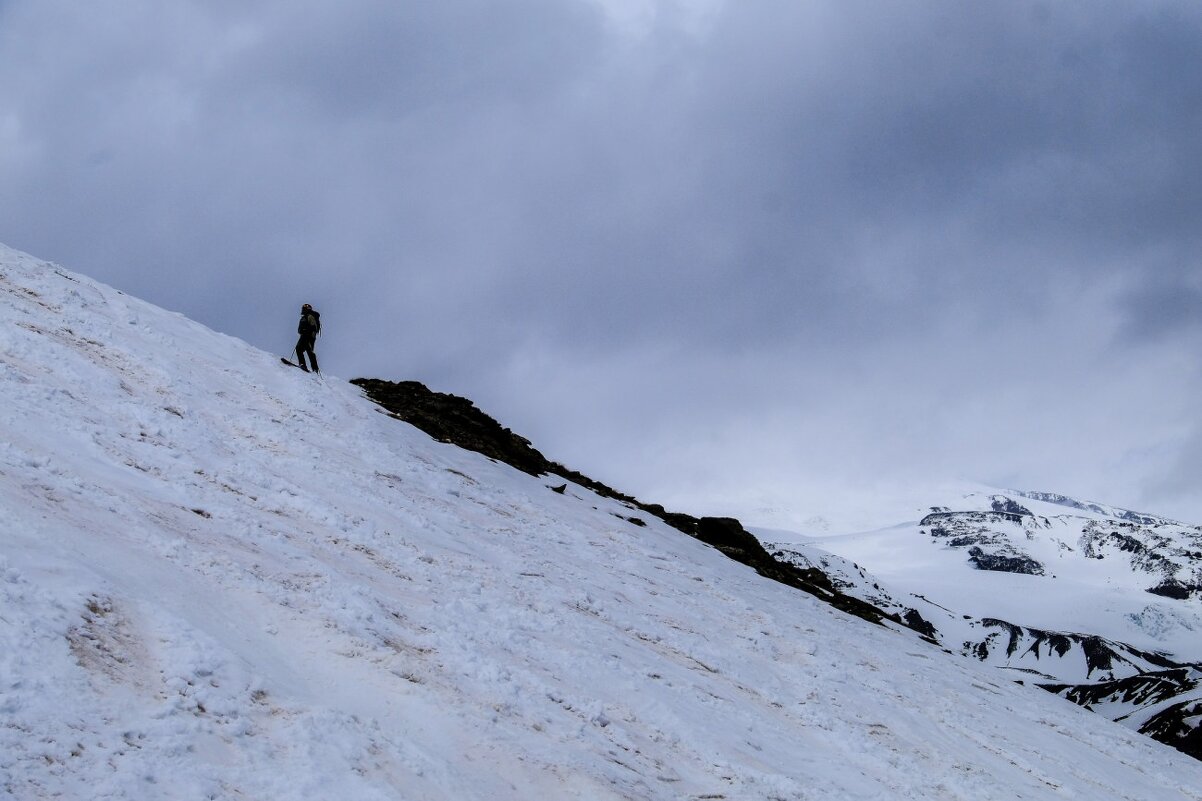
[309, 328]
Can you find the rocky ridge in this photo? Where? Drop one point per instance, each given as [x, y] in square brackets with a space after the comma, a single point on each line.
[456, 420]
[998, 539]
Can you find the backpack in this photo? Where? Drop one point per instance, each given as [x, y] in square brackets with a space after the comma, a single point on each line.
[304, 321]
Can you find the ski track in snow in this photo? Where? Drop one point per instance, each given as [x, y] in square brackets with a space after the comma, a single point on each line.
[221, 578]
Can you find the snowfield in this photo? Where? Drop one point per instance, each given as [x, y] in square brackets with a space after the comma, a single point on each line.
[1089, 583]
[222, 578]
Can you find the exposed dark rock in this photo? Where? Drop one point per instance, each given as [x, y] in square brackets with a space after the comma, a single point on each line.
[1098, 655]
[985, 535]
[1172, 588]
[726, 533]
[1003, 563]
[1175, 725]
[1139, 690]
[1097, 537]
[978, 649]
[920, 624]
[456, 420]
[939, 519]
[1101, 656]
[1128, 543]
[1167, 555]
[1015, 635]
[1003, 504]
[449, 418]
[1061, 644]
[728, 536]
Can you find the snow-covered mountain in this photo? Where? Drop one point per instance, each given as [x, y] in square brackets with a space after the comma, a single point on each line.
[1099, 604]
[222, 578]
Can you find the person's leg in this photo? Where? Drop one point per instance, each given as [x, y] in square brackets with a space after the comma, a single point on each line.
[301, 346]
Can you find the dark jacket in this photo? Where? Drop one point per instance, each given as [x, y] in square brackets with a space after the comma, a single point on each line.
[310, 324]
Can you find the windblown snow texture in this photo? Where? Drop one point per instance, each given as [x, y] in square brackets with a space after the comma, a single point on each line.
[222, 579]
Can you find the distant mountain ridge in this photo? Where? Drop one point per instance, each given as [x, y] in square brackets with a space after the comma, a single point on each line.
[1089, 506]
[1168, 552]
[1148, 689]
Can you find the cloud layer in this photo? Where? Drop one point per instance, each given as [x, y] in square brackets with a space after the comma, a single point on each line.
[762, 253]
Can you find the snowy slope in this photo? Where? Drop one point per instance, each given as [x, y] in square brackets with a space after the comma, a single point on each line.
[1147, 692]
[222, 578]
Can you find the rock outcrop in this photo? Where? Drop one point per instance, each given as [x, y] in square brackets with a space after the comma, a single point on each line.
[456, 420]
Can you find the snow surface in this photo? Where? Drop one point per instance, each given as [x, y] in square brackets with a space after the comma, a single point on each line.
[1107, 597]
[222, 578]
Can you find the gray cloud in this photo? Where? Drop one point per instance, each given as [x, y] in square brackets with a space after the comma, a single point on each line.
[771, 246]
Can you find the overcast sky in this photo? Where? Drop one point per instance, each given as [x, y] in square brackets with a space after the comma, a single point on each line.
[727, 255]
